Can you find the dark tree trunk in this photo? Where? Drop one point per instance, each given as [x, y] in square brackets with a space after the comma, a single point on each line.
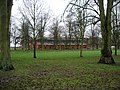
[106, 53]
[81, 45]
[106, 57]
[34, 47]
[116, 49]
[97, 46]
[42, 42]
[15, 44]
[5, 13]
[15, 47]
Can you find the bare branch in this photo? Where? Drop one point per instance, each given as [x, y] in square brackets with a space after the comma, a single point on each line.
[26, 18]
[93, 16]
[116, 4]
[92, 9]
[96, 3]
[68, 6]
[86, 3]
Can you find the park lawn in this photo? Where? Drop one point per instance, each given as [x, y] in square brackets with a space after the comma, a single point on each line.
[60, 70]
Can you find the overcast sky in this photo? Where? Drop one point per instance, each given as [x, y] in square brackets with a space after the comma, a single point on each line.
[56, 6]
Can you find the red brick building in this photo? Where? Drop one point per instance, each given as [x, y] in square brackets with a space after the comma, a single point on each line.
[62, 45]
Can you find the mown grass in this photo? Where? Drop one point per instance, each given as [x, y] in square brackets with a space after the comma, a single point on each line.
[60, 70]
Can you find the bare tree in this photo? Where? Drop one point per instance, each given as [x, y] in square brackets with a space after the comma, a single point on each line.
[15, 34]
[32, 11]
[42, 27]
[94, 35]
[25, 37]
[104, 16]
[82, 25]
[115, 29]
[55, 32]
[71, 28]
[76, 32]
[81, 21]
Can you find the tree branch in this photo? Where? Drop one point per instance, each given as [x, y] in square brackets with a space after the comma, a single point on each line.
[92, 9]
[96, 3]
[116, 4]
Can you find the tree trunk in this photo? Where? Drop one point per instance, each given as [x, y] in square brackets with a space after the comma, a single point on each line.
[115, 49]
[15, 44]
[42, 42]
[34, 47]
[116, 32]
[15, 47]
[81, 45]
[5, 12]
[0, 33]
[106, 53]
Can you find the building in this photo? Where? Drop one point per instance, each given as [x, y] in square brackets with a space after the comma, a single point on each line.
[59, 45]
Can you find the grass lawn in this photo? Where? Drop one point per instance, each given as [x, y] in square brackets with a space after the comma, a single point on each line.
[60, 70]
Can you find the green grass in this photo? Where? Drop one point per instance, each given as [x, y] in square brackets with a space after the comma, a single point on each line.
[60, 70]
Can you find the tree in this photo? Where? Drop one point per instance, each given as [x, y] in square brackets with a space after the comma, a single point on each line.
[41, 29]
[106, 28]
[65, 36]
[104, 16]
[55, 32]
[82, 25]
[32, 11]
[72, 28]
[115, 29]
[81, 21]
[94, 36]
[5, 13]
[76, 32]
[25, 36]
[15, 34]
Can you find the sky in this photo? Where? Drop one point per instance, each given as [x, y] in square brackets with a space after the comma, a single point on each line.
[56, 6]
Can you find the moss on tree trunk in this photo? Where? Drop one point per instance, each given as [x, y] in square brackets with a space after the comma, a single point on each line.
[106, 53]
[5, 12]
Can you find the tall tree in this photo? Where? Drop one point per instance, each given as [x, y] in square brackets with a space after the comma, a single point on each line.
[5, 14]
[42, 26]
[115, 29]
[55, 32]
[81, 14]
[104, 16]
[69, 24]
[82, 25]
[94, 35]
[15, 35]
[32, 11]
[105, 19]
[25, 36]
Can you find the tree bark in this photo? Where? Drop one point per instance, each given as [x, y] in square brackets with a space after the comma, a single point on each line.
[116, 32]
[116, 49]
[5, 13]
[0, 32]
[34, 47]
[106, 53]
[81, 45]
